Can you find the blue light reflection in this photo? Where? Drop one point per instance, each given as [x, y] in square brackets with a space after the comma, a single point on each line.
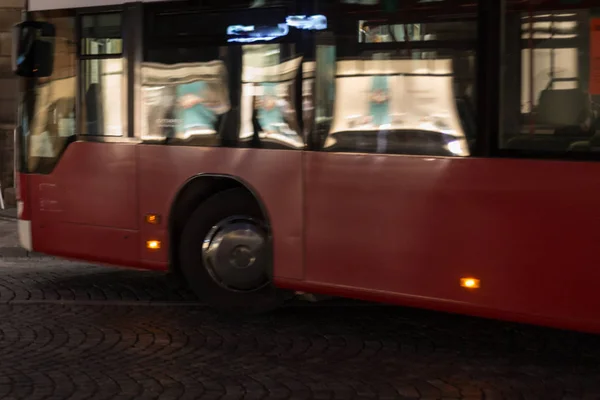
[252, 33]
[313, 22]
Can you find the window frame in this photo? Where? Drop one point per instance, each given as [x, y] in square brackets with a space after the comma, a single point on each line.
[86, 13]
[126, 93]
[490, 48]
[44, 165]
[490, 78]
[343, 29]
[151, 42]
[532, 154]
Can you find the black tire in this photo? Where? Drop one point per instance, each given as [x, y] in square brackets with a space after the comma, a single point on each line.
[225, 204]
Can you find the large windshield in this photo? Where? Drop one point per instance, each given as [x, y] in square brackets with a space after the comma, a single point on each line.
[47, 112]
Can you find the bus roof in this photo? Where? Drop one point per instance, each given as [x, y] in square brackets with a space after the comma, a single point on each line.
[40, 5]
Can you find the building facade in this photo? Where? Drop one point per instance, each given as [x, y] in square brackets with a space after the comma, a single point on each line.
[10, 13]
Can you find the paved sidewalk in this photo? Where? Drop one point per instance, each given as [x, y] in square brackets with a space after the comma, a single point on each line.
[72, 330]
[9, 241]
[8, 213]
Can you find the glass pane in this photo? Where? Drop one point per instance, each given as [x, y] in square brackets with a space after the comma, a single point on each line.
[257, 56]
[49, 103]
[184, 100]
[268, 95]
[551, 88]
[185, 94]
[103, 97]
[377, 33]
[401, 87]
[214, 24]
[101, 34]
[324, 90]
[102, 47]
[223, 95]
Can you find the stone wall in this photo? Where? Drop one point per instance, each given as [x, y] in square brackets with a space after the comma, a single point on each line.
[10, 13]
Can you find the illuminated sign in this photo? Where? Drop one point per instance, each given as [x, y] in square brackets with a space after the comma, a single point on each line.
[313, 22]
[265, 33]
[251, 33]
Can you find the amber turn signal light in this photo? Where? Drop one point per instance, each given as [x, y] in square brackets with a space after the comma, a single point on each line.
[153, 244]
[153, 219]
[470, 283]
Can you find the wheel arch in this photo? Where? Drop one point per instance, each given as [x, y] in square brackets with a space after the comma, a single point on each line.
[191, 194]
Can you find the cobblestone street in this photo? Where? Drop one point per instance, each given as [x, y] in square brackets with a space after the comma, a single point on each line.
[71, 330]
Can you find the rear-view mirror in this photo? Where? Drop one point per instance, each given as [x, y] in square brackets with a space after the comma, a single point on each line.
[33, 49]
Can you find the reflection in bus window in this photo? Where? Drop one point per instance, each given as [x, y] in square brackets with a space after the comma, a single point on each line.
[52, 109]
[389, 33]
[324, 91]
[399, 87]
[103, 75]
[308, 107]
[183, 100]
[382, 33]
[196, 110]
[54, 117]
[270, 109]
[550, 87]
[101, 34]
[268, 91]
[379, 107]
[383, 105]
[103, 97]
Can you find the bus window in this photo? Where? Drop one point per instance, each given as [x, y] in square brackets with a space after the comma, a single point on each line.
[268, 96]
[207, 81]
[48, 114]
[402, 86]
[551, 87]
[324, 91]
[185, 93]
[184, 100]
[102, 75]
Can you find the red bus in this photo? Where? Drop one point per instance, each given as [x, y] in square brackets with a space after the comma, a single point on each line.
[436, 154]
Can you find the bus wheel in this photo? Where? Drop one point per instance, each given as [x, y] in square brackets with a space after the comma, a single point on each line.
[226, 254]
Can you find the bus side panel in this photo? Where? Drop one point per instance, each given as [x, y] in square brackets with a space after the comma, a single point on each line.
[87, 207]
[274, 175]
[414, 226]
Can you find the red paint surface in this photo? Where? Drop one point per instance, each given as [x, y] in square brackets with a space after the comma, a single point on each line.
[22, 195]
[87, 207]
[274, 175]
[414, 226]
[399, 229]
[92, 206]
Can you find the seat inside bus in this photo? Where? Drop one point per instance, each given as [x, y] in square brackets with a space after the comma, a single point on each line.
[562, 107]
[563, 121]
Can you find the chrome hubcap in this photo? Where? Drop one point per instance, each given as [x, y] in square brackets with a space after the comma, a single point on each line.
[242, 257]
[235, 254]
